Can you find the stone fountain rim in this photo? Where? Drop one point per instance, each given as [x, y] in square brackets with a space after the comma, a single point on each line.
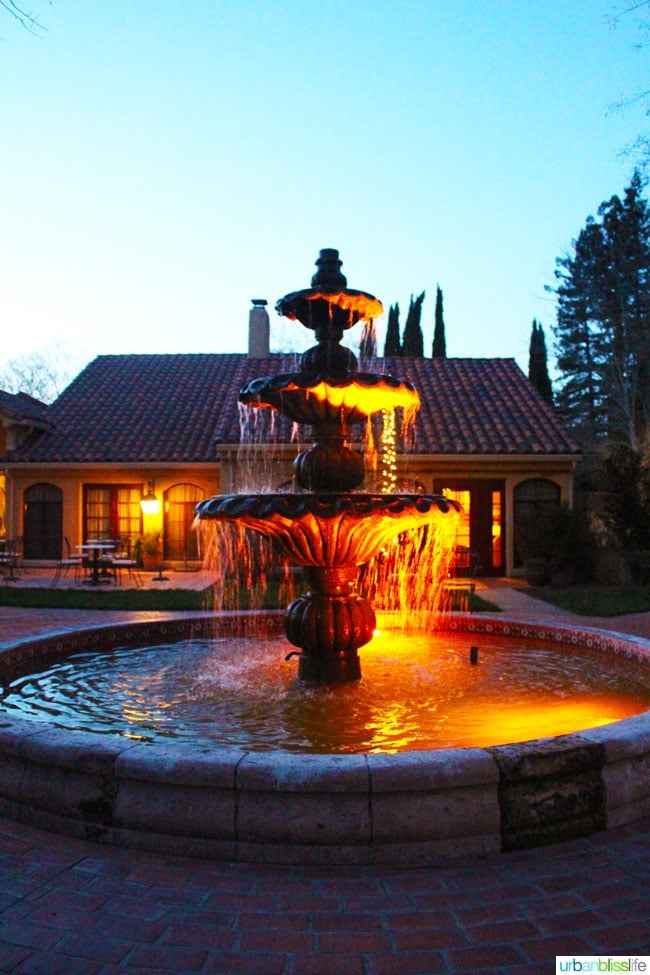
[410, 807]
[325, 504]
[306, 381]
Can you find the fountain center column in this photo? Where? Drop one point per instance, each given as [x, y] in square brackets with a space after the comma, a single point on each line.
[329, 623]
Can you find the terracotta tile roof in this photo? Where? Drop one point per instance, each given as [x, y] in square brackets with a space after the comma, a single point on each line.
[481, 406]
[20, 406]
[180, 408]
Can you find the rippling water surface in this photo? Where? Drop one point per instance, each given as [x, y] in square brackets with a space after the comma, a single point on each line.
[417, 692]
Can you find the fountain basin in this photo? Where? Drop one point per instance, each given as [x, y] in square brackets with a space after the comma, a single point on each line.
[231, 804]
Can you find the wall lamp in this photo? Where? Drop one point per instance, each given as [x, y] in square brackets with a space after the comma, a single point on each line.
[149, 503]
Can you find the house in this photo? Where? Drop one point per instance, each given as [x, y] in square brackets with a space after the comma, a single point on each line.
[170, 426]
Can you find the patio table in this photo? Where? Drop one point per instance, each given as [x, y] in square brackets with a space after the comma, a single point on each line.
[97, 560]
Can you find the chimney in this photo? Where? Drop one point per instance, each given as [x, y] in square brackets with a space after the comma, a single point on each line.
[258, 330]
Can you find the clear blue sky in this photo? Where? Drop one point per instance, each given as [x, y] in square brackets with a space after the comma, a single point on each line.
[164, 162]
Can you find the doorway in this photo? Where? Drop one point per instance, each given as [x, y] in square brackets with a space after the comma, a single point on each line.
[181, 538]
[43, 522]
[481, 527]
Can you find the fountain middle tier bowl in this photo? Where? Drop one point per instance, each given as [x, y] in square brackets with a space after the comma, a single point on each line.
[317, 399]
[328, 529]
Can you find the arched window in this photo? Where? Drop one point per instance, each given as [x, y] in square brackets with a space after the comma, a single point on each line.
[43, 522]
[536, 498]
[181, 540]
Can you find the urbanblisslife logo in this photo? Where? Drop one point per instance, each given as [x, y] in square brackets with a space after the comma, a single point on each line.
[602, 963]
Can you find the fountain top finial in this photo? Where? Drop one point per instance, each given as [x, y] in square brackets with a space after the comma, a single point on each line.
[329, 306]
[328, 277]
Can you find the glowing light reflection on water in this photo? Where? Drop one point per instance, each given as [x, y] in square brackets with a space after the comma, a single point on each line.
[417, 692]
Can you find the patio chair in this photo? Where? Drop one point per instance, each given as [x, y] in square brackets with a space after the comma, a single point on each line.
[67, 563]
[11, 558]
[122, 561]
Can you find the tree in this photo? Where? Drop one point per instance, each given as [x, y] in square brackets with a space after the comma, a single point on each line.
[392, 344]
[439, 347]
[25, 18]
[42, 374]
[412, 340]
[368, 343]
[538, 363]
[603, 324]
[640, 147]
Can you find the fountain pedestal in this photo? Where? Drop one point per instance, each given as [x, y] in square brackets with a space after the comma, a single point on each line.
[329, 623]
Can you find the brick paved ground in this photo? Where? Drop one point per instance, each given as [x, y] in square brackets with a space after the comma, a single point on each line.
[69, 906]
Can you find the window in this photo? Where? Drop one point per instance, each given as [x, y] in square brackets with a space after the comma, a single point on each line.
[112, 511]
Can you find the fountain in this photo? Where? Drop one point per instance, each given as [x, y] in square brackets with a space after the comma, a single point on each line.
[329, 528]
[354, 806]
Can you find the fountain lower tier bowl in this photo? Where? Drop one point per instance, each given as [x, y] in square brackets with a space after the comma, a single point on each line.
[234, 803]
[328, 529]
[318, 400]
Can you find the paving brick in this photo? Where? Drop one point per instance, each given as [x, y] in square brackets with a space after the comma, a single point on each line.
[412, 963]
[545, 949]
[570, 921]
[351, 943]
[493, 957]
[327, 965]
[347, 922]
[157, 958]
[54, 964]
[256, 964]
[502, 932]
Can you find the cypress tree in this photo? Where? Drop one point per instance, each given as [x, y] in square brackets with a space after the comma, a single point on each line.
[412, 340]
[439, 348]
[538, 363]
[392, 344]
[368, 343]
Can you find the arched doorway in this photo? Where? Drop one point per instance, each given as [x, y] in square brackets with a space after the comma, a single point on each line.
[181, 540]
[43, 522]
[536, 499]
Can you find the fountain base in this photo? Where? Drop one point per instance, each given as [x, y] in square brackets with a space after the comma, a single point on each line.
[234, 804]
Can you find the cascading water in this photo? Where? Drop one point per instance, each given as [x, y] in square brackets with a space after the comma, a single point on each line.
[327, 524]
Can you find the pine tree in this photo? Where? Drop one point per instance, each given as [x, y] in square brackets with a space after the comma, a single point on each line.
[579, 342]
[603, 324]
[538, 362]
[439, 348]
[392, 344]
[412, 340]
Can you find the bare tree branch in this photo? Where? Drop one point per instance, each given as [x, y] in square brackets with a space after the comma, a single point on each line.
[24, 17]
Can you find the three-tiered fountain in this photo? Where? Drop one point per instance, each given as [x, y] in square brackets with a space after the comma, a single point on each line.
[329, 526]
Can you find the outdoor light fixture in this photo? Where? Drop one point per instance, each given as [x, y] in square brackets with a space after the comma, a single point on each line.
[149, 502]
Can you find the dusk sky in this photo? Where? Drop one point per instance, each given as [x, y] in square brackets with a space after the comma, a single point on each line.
[163, 163]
